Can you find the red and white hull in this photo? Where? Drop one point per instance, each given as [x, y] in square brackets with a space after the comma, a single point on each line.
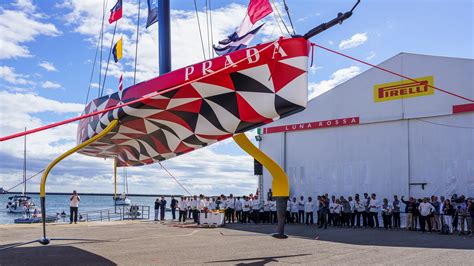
[257, 87]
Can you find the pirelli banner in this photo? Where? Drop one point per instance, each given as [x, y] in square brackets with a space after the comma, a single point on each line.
[403, 89]
[340, 122]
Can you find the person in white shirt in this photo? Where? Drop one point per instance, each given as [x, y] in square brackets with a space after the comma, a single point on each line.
[294, 211]
[255, 210]
[194, 208]
[301, 210]
[238, 209]
[212, 205]
[365, 214]
[74, 207]
[273, 211]
[288, 211]
[230, 204]
[359, 209]
[337, 213]
[266, 211]
[352, 214]
[182, 206]
[246, 210]
[387, 210]
[332, 216]
[308, 208]
[426, 209]
[374, 211]
[190, 211]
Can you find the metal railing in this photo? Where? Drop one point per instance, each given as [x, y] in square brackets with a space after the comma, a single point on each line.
[119, 213]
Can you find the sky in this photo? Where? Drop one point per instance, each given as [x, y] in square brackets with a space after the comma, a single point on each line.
[47, 51]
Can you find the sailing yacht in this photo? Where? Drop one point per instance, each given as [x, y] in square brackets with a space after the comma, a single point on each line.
[21, 203]
[122, 199]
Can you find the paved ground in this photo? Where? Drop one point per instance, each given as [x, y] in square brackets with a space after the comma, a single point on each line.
[149, 243]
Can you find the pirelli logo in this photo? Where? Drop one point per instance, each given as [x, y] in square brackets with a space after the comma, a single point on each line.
[403, 89]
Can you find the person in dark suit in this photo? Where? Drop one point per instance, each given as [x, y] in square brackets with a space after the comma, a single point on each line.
[173, 206]
[157, 208]
[162, 208]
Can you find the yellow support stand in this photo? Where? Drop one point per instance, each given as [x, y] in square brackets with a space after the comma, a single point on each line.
[280, 184]
[97, 137]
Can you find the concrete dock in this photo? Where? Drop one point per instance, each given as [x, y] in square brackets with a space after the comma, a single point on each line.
[151, 243]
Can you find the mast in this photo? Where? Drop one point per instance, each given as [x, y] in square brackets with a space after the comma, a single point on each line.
[24, 165]
[164, 36]
[115, 179]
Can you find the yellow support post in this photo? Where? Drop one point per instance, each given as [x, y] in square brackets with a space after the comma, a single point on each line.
[97, 137]
[280, 184]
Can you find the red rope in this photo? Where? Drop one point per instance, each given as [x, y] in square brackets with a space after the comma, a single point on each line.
[67, 121]
[391, 72]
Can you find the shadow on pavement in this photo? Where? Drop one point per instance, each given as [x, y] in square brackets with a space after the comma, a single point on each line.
[362, 236]
[259, 261]
[51, 255]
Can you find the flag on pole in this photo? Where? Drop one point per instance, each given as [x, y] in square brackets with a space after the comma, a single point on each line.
[116, 12]
[120, 82]
[256, 10]
[117, 51]
[234, 42]
[152, 12]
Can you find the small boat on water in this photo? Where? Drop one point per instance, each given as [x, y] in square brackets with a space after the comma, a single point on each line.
[122, 200]
[21, 203]
[33, 220]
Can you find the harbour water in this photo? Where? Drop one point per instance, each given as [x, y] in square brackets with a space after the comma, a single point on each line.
[58, 203]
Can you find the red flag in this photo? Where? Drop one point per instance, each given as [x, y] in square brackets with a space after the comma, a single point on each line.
[116, 12]
[120, 83]
[258, 9]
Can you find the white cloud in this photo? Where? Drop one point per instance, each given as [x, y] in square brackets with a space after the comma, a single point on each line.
[48, 66]
[86, 19]
[356, 40]
[9, 75]
[371, 55]
[314, 69]
[336, 78]
[50, 85]
[19, 26]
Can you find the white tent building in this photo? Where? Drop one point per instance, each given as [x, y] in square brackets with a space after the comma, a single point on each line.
[379, 133]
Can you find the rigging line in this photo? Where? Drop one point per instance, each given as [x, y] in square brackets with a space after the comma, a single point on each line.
[281, 18]
[24, 164]
[175, 179]
[212, 37]
[289, 17]
[136, 46]
[108, 59]
[101, 37]
[445, 125]
[8, 190]
[200, 33]
[126, 181]
[278, 23]
[93, 68]
[143, 98]
[391, 72]
[207, 30]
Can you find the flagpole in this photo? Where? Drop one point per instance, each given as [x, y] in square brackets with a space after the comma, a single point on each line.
[164, 36]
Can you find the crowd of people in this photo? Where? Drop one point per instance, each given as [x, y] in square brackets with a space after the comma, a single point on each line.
[425, 214]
